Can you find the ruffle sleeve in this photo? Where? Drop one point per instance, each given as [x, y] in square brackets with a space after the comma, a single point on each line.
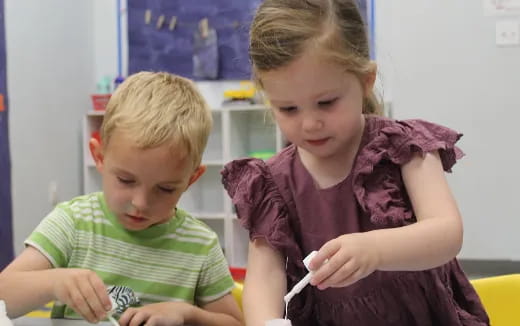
[259, 204]
[377, 180]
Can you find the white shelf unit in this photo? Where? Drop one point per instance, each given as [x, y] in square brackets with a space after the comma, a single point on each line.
[237, 131]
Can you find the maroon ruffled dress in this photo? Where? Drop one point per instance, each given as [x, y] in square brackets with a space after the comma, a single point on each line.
[277, 200]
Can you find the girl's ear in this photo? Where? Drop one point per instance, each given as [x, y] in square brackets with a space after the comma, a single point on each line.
[96, 151]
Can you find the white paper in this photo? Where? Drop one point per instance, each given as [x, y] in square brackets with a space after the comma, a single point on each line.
[501, 7]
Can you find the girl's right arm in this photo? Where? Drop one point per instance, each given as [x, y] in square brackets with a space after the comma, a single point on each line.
[265, 284]
[29, 282]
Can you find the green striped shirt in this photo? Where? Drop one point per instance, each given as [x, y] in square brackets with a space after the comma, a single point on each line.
[176, 261]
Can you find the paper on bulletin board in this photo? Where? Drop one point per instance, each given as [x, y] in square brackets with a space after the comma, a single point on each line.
[501, 7]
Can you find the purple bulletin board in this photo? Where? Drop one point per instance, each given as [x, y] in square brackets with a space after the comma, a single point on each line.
[161, 49]
[6, 229]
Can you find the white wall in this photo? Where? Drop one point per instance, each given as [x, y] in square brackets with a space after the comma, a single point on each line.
[50, 74]
[439, 62]
[56, 52]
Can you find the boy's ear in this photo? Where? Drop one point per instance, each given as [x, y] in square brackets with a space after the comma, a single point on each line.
[370, 78]
[197, 174]
[96, 151]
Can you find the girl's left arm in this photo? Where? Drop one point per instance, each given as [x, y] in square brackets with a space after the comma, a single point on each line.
[433, 240]
[436, 238]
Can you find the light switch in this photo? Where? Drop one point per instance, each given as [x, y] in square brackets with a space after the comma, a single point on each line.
[508, 33]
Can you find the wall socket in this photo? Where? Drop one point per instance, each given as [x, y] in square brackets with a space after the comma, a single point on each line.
[508, 33]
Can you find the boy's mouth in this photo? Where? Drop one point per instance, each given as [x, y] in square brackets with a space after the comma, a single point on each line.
[135, 218]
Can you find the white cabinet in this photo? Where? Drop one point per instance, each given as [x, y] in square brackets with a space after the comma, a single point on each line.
[237, 132]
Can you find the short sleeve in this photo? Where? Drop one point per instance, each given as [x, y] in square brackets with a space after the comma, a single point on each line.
[377, 180]
[54, 236]
[215, 279]
[259, 204]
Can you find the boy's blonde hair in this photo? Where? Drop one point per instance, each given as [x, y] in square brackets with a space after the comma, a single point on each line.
[156, 108]
[283, 29]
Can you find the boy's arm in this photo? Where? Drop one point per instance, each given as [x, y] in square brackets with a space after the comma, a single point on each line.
[224, 311]
[24, 284]
[30, 282]
[221, 312]
[265, 284]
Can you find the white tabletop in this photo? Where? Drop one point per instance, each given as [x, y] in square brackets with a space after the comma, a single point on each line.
[30, 321]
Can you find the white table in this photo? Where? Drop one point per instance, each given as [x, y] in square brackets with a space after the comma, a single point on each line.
[29, 321]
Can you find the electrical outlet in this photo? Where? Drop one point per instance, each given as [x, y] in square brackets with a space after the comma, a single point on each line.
[508, 33]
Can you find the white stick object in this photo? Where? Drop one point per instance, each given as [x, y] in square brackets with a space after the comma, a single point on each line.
[304, 281]
[112, 311]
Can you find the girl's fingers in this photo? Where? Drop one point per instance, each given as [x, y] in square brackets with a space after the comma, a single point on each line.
[341, 274]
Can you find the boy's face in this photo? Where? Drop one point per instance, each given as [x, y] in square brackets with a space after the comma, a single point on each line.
[142, 186]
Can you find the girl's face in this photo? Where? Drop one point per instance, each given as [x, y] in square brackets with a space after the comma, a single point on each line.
[317, 105]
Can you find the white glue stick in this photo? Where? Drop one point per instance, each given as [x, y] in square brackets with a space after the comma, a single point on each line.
[304, 281]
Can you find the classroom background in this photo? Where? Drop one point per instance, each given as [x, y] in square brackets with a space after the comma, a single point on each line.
[456, 63]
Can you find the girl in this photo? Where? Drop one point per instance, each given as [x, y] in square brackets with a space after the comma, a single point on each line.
[369, 192]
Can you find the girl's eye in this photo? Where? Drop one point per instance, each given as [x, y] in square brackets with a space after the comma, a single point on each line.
[288, 109]
[125, 181]
[327, 103]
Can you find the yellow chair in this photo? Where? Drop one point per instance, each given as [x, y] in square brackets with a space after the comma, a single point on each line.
[500, 296]
[237, 293]
[43, 312]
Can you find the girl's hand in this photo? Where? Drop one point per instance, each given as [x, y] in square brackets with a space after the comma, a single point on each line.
[84, 291]
[351, 257]
[157, 314]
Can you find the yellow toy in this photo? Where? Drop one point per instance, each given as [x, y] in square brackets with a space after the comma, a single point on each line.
[237, 293]
[246, 92]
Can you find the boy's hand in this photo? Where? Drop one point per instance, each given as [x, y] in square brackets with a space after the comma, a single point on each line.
[83, 291]
[157, 314]
[351, 257]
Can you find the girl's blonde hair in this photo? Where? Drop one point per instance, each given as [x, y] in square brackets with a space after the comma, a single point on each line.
[283, 29]
[156, 108]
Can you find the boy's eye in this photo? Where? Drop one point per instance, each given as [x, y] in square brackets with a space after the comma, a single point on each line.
[288, 108]
[327, 102]
[167, 190]
[125, 181]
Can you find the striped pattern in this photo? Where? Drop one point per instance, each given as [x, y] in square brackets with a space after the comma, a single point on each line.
[177, 261]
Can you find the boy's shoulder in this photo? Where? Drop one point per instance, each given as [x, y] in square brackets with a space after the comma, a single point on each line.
[92, 200]
[193, 227]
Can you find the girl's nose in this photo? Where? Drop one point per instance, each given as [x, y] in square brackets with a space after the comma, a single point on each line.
[312, 122]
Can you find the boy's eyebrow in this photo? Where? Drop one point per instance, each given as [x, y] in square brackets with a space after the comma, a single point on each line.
[169, 182]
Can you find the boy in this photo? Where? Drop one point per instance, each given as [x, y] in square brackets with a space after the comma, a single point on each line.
[153, 135]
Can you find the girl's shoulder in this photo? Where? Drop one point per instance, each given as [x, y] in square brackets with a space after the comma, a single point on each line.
[259, 196]
[399, 140]
[387, 145]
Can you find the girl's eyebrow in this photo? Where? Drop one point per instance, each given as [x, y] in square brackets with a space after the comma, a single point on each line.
[316, 96]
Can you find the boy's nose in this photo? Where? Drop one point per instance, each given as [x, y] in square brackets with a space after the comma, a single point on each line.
[140, 201]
